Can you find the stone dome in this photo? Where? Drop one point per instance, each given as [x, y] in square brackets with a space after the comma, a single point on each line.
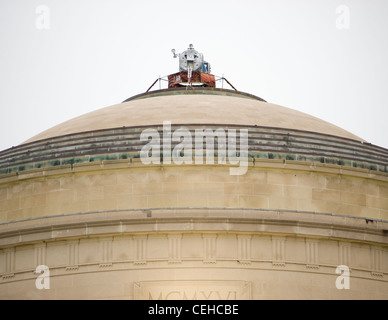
[78, 202]
[204, 106]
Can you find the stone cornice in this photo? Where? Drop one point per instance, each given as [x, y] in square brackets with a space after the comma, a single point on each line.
[136, 163]
[194, 220]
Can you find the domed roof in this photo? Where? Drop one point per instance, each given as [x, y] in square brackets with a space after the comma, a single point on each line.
[194, 107]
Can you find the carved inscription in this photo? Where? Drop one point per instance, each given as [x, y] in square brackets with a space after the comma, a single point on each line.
[193, 290]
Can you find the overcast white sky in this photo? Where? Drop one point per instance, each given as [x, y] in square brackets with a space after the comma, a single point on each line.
[60, 59]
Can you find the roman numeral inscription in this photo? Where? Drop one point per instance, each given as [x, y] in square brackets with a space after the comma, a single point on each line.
[192, 290]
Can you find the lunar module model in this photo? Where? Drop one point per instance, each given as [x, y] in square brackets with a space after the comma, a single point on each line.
[194, 71]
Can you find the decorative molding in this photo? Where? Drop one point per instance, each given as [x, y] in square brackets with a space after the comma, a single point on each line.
[72, 268]
[8, 276]
[279, 264]
[312, 254]
[39, 254]
[174, 248]
[209, 248]
[73, 251]
[106, 252]
[244, 249]
[9, 263]
[134, 219]
[278, 254]
[379, 275]
[140, 249]
[344, 250]
[377, 262]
